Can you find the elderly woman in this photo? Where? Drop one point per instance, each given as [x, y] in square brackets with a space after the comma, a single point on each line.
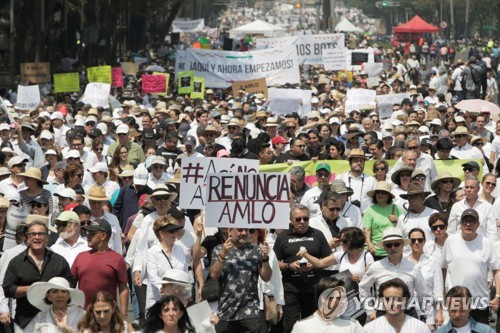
[402, 180]
[60, 306]
[382, 214]
[162, 256]
[430, 268]
[442, 187]
[34, 183]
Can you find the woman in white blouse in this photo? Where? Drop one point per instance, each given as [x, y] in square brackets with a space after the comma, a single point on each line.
[162, 256]
[430, 268]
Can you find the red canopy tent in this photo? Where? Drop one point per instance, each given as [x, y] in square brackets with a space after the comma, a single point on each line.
[415, 25]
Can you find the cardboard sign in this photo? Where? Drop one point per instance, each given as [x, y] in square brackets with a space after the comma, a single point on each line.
[335, 59]
[100, 74]
[96, 94]
[185, 82]
[130, 68]
[248, 200]
[309, 48]
[116, 77]
[28, 97]
[257, 86]
[66, 82]
[194, 171]
[167, 81]
[286, 101]
[35, 72]
[153, 84]
[385, 103]
[221, 68]
[198, 88]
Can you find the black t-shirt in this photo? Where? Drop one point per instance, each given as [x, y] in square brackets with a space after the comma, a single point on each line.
[170, 155]
[287, 156]
[209, 243]
[287, 245]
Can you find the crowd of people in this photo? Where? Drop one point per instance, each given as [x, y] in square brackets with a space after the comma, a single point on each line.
[401, 241]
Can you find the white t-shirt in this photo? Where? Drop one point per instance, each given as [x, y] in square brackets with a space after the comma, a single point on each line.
[408, 221]
[359, 267]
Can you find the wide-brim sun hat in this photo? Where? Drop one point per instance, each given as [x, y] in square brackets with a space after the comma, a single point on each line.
[37, 293]
[33, 173]
[392, 234]
[97, 193]
[443, 175]
[414, 189]
[381, 186]
[395, 176]
[162, 190]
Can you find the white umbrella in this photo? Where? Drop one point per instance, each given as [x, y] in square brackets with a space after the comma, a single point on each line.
[155, 68]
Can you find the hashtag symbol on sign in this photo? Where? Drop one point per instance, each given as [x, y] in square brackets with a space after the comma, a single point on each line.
[193, 171]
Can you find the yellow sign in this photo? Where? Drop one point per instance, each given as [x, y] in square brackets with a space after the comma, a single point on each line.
[130, 68]
[66, 82]
[100, 74]
[35, 72]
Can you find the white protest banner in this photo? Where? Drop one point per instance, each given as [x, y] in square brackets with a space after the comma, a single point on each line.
[355, 58]
[286, 101]
[353, 105]
[361, 95]
[180, 25]
[194, 172]
[248, 200]
[335, 59]
[385, 103]
[28, 97]
[96, 94]
[221, 68]
[309, 47]
[373, 69]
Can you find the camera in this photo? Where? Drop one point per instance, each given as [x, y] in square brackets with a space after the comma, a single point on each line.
[303, 262]
[356, 203]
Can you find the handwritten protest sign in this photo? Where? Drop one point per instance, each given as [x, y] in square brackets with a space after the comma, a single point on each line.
[385, 103]
[285, 101]
[248, 200]
[28, 97]
[335, 59]
[221, 68]
[198, 88]
[185, 82]
[130, 68]
[96, 94]
[251, 86]
[188, 25]
[153, 84]
[116, 77]
[99, 74]
[66, 82]
[35, 72]
[167, 80]
[360, 98]
[194, 173]
[309, 48]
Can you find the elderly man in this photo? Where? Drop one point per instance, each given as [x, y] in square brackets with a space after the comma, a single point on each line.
[69, 244]
[487, 224]
[463, 150]
[397, 266]
[135, 152]
[157, 175]
[357, 180]
[468, 257]
[298, 275]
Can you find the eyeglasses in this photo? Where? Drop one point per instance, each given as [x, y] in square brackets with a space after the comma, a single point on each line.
[90, 123]
[438, 227]
[468, 222]
[334, 209]
[61, 225]
[162, 198]
[37, 234]
[417, 240]
[322, 174]
[379, 169]
[447, 181]
[412, 148]
[302, 218]
[490, 184]
[37, 205]
[98, 149]
[419, 178]
[391, 245]
[480, 143]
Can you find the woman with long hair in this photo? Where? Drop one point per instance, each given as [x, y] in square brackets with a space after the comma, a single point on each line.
[120, 159]
[380, 170]
[488, 185]
[103, 316]
[168, 315]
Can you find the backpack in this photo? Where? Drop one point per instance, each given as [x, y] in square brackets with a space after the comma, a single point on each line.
[463, 80]
[476, 74]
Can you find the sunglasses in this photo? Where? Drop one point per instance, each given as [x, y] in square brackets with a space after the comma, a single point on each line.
[322, 174]
[61, 225]
[438, 227]
[90, 123]
[480, 143]
[391, 245]
[37, 205]
[300, 146]
[468, 222]
[461, 135]
[303, 218]
[232, 128]
[162, 198]
[447, 181]
[417, 240]
[379, 169]
[85, 222]
[405, 174]
[412, 148]
[158, 166]
[419, 178]
[128, 178]
[98, 149]
[490, 184]
[252, 231]
[468, 169]
[334, 209]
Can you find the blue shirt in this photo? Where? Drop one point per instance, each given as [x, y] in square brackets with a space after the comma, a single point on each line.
[474, 326]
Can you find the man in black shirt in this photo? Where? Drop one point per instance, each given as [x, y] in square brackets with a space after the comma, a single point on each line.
[34, 264]
[169, 150]
[296, 152]
[298, 276]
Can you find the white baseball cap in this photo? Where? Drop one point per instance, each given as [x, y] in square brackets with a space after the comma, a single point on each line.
[99, 167]
[66, 193]
[122, 129]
